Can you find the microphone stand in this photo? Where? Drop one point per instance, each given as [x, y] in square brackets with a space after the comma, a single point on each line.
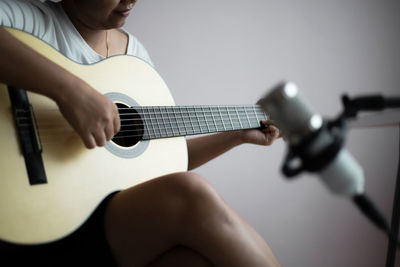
[376, 103]
[316, 145]
[394, 227]
[314, 162]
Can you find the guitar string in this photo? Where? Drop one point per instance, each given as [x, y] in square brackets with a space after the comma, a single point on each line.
[197, 127]
[188, 116]
[165, 133]
[168, 132]
[184, 133]
[179, 108]
[218, 113]
[179, 114]
[166, 127]
[47, 141]
[174, 112]
[163, 124]
[173, 132]
[228, 125]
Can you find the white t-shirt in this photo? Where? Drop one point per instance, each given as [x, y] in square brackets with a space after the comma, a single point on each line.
[50, 23]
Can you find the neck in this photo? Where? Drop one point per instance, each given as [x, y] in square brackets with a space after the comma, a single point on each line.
[170, 121]
[95, 38]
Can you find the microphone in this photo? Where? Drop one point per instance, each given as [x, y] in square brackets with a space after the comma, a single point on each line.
[316, 145]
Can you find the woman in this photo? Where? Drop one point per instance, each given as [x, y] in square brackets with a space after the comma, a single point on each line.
[188, 223]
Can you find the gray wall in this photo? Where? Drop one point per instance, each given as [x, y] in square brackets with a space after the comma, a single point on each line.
[231, 52]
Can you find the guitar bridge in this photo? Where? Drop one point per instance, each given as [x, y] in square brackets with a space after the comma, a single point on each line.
[28, 135]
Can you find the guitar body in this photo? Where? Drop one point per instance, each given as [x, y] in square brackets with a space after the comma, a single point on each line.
[77, 178]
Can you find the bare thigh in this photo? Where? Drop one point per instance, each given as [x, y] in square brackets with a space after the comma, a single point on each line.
[145, 222]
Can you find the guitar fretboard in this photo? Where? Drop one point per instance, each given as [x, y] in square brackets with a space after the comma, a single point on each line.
[171, 121]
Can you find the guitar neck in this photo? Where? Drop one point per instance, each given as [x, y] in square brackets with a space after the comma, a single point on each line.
[172, 121]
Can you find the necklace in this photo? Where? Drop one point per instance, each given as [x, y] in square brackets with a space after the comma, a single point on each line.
[107, 45]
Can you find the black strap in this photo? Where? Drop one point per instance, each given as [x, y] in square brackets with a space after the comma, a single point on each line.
[28, 135]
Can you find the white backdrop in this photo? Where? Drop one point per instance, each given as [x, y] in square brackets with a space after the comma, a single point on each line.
[231, 52]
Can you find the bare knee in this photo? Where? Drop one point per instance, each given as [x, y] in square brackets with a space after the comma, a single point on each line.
[191, 187]
[194, 191]
[201, 204]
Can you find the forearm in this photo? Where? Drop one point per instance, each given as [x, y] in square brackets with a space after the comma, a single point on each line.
[22, 67]
[205, 148]
[93, 116]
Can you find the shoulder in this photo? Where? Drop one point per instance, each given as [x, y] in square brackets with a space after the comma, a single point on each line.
[32, 16]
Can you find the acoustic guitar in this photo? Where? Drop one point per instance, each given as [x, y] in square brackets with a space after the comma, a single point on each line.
[50, 183]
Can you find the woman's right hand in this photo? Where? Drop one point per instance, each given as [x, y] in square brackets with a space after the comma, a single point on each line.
[93, 116]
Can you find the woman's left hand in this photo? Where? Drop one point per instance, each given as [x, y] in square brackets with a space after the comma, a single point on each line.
[264, 137]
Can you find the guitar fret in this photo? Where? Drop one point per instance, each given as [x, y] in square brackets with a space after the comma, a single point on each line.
[172, 120]
[168, 124]
[214, 112]
[247, 116]
[205, 119]
[179, 118]
[147, 126]
[254, 109]
[182, 126]
[196, 121]
[187, 121]
[164, 130]
[243, 118]
[148, 121]
[160, 122]
[234, 119]
[176, 127]
[230, 120]
[190, 119]
[159, 134]
[222, 119]
[157, 131]
[237, 113]
[213, 126]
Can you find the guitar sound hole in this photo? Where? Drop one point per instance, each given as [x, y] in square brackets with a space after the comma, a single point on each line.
[131, 131]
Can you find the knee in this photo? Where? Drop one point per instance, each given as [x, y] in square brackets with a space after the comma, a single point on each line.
[200, 201]
[193, 189]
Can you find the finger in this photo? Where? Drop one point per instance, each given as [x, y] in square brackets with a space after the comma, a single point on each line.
[274, 133]
[270, 125]
[271, 134]
[109, 132]
[259, 101]
[269, 122]
[117, 124]
[89, 141]
[99, 137]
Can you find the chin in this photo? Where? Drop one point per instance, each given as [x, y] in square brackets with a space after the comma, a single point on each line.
[113, 24]
[116, 22]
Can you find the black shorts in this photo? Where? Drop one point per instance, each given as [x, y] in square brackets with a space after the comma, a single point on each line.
[87, 246]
